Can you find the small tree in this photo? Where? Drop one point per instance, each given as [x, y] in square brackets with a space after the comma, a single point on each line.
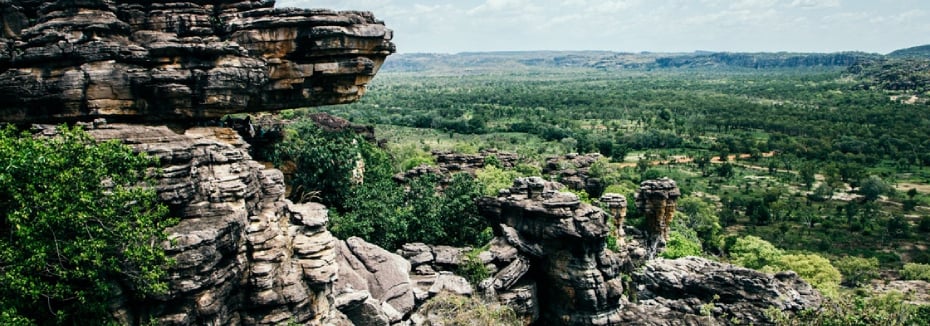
[873, 187]
[753, 252]
[814, 269]
[857, 271]
[77, 223]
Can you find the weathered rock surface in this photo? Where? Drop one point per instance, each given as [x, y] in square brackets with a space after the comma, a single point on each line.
[616, 205]
[691, 287]
[244, 254]
[449, 163]
[382, 278]
[574, 171]
[657, 201]
[561, 246]
[162, 61]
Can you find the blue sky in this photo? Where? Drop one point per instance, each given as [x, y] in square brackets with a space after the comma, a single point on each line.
[647, 25]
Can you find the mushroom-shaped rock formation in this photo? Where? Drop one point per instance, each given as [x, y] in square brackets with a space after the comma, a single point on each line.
[178, 61]
[657, 200]
[563, 240]
[616, 204]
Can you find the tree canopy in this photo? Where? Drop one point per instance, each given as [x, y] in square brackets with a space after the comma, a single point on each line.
[77, 221]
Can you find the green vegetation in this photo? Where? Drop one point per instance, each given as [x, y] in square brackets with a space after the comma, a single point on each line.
[915, 271]
[855, 310]
[823, 170]
[450, 309]
[814, 269]
[753, 252]
[353, 177]
[857, 271]
[680, 245]
[77, 224]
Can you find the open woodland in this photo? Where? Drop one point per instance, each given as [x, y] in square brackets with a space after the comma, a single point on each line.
[832, 160]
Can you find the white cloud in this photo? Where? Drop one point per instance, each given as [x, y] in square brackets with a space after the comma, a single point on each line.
[815, 4]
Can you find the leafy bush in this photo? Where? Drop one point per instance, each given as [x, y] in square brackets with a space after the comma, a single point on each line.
[814, 269]
[472, 269]
[924, 225]
[493, 179]
[680, 245]
[324, 162]
[857, 271]
[912, 271]
[847, 309]
[753, 252]
[77, 224]
[700, 216]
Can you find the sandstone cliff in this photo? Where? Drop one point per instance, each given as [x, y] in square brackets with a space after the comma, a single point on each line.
[161, 61]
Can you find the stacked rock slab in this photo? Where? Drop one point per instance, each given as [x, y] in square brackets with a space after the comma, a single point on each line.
[574, 171]
[657, 201]
[696, 291]
[616, 204]
[560, 244]
[244, 254]
[163, 61]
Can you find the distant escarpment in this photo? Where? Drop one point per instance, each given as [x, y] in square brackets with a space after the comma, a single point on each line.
[491, 61]
[179, 61]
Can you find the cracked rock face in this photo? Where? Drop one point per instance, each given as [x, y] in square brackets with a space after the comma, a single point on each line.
[129, 60]
[244, 254]
[561, 243]
[696, 291]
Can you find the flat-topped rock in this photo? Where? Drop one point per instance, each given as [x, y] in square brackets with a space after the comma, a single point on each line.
[180, 61]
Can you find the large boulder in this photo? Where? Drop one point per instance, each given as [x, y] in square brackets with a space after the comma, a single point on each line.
[693, 288]
[382, 277]
[161, 61]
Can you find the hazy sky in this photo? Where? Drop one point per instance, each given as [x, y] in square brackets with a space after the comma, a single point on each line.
[647, 25]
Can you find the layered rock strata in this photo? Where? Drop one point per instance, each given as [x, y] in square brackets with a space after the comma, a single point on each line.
[557, 245]
[244, 254]
[574, 171]
[696, 291]
[657, 202]
[616, 205]
[180, 60]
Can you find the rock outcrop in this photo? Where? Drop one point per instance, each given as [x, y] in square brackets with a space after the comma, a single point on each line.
[374, 286]
[574, 171]
[559, 251]
[244, 254]
[177, 61]
[657, 201]
[549, 262]
[691, 289]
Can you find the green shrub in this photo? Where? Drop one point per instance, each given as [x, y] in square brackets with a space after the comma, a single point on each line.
[528, 170]
[680, 245]
[493, 179]
[857, 271]
[77, 224]
[847, 309]
[924, 225]
[753, 252]
[814, 269]
[912, 271]
[472, 269]
[450, 309]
